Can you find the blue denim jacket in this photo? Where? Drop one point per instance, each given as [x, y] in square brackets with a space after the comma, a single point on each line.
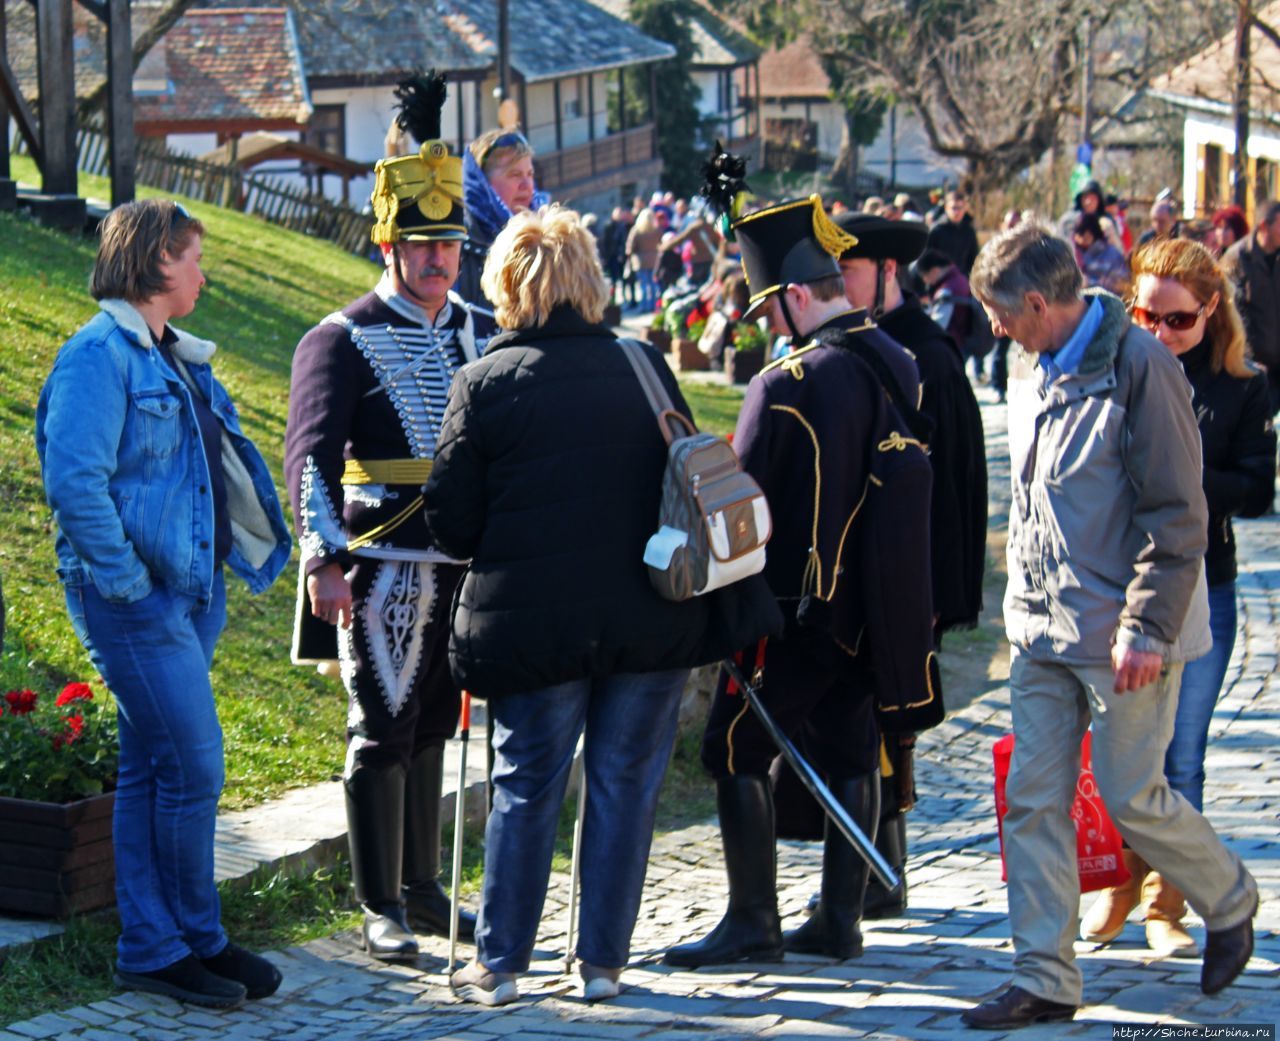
[125, 471]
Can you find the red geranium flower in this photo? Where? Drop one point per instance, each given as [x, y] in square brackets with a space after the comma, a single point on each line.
[21, 701]
[75, 727]
[74, 692]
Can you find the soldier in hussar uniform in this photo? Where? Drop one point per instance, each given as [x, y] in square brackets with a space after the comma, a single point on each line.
[809, 432]
[369, 388]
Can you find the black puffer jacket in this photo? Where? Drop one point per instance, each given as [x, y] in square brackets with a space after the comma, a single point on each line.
[548, 477]
[1239, 444]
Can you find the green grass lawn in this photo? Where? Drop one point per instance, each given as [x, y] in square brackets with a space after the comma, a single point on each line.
[283, 725]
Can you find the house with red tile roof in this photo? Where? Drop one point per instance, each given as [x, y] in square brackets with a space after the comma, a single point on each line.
[803, 125]
[1202, 89]
[220, 73]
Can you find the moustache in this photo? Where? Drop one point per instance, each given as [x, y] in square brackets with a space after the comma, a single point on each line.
[434, 271]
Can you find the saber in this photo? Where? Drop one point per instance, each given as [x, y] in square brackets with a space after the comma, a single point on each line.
[817, 787]
[579, 767]
[459, 820]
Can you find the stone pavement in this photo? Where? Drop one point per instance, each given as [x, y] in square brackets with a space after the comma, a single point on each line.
[917, 972]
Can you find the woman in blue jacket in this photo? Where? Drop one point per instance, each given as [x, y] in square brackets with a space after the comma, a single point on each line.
[154, 487]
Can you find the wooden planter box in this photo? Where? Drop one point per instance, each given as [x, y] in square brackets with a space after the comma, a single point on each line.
[660, 338]
[687, 357]
[741, 366]
[56, 858]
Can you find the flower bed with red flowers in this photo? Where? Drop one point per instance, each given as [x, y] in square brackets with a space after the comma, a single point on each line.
[57, 749]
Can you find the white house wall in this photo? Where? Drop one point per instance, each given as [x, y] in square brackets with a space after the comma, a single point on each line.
[1207, 129]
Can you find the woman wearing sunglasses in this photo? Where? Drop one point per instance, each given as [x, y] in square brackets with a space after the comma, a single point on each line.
[154, 487]
[1183, 298]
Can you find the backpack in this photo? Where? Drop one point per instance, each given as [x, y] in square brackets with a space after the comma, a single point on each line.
[714, 520]
[896, 586]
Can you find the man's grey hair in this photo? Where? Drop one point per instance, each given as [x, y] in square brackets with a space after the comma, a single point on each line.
[1028, 258]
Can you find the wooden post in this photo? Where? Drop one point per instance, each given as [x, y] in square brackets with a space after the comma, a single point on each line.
[120, 128]
[4, 120]
[555, 93]
[1240, 103]
[57, 96]
[591, 118]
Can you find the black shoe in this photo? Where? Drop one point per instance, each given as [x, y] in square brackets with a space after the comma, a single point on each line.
[1013, 1008]
[427, 910]
[186, 980]
[750, 929]
[261, 979]
[386, 934]
[1226, 953]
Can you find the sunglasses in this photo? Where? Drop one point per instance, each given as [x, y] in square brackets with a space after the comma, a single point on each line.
[1178, 321]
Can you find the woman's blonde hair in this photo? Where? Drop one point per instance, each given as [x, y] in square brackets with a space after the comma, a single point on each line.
[1192, 266]
[645, 222]
[132, 240]
[540, 260]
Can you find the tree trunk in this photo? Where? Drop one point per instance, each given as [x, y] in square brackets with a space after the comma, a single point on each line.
[1240, 102]
[844, 171]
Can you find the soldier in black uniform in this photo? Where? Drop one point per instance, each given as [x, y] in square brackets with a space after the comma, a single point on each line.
[957, 451]
[809, 432]
[368, 393]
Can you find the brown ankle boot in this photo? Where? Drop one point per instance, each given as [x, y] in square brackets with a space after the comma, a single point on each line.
[1111, 910]
[1165, 909]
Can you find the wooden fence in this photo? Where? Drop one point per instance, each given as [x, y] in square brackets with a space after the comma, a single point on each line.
[270, 198]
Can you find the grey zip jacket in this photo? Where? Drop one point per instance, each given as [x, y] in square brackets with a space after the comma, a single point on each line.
[1107, 527]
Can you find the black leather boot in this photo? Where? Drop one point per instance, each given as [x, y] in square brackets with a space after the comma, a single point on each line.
[833, 927]
[891, 841]
[375, 830]
[750, 929]
[426, 902]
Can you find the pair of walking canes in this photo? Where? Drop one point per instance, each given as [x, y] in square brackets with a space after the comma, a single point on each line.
[808, 776]
[459, 820]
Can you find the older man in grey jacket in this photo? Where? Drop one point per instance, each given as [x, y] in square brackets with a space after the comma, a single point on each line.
[1106, 600]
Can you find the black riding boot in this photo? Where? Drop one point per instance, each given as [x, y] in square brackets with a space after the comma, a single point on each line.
[426, 903]
[750, 929]
[832, 929]
[375, 830]
[892, 844]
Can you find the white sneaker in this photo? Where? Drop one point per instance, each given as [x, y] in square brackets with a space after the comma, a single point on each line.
[483, 986]
[600, 984]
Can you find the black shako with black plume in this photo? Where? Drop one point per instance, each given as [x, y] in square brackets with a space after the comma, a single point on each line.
[723, 181]
[420, 100]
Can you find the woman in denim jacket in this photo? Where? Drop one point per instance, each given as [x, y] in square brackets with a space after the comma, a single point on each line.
[154, 487]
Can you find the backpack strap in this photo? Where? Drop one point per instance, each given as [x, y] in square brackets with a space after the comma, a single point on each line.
[655, 393]
[919, 425]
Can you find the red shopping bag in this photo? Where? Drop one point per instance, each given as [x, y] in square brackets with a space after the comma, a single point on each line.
[1098, 840]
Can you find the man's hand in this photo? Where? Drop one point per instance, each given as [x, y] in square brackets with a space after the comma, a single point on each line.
[330, 594]
[1134, 669]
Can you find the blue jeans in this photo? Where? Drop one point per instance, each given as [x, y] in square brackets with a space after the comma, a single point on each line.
[648, 289]
[630, 722]
[155, 656]
[1201, 686]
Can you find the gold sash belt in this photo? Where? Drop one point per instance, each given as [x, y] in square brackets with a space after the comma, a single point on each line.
[386, 471]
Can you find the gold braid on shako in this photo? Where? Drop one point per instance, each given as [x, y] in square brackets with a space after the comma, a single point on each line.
[419, 196]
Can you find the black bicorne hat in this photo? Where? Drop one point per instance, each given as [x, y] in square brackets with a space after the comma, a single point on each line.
[881, 239]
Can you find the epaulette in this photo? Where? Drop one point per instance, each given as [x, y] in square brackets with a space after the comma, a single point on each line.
[791, 363]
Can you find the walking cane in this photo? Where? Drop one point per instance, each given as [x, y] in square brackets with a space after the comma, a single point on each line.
[580, 768]
[459, 819]
[864, 847]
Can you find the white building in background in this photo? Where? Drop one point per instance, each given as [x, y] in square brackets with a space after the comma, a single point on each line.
[1202, 88]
